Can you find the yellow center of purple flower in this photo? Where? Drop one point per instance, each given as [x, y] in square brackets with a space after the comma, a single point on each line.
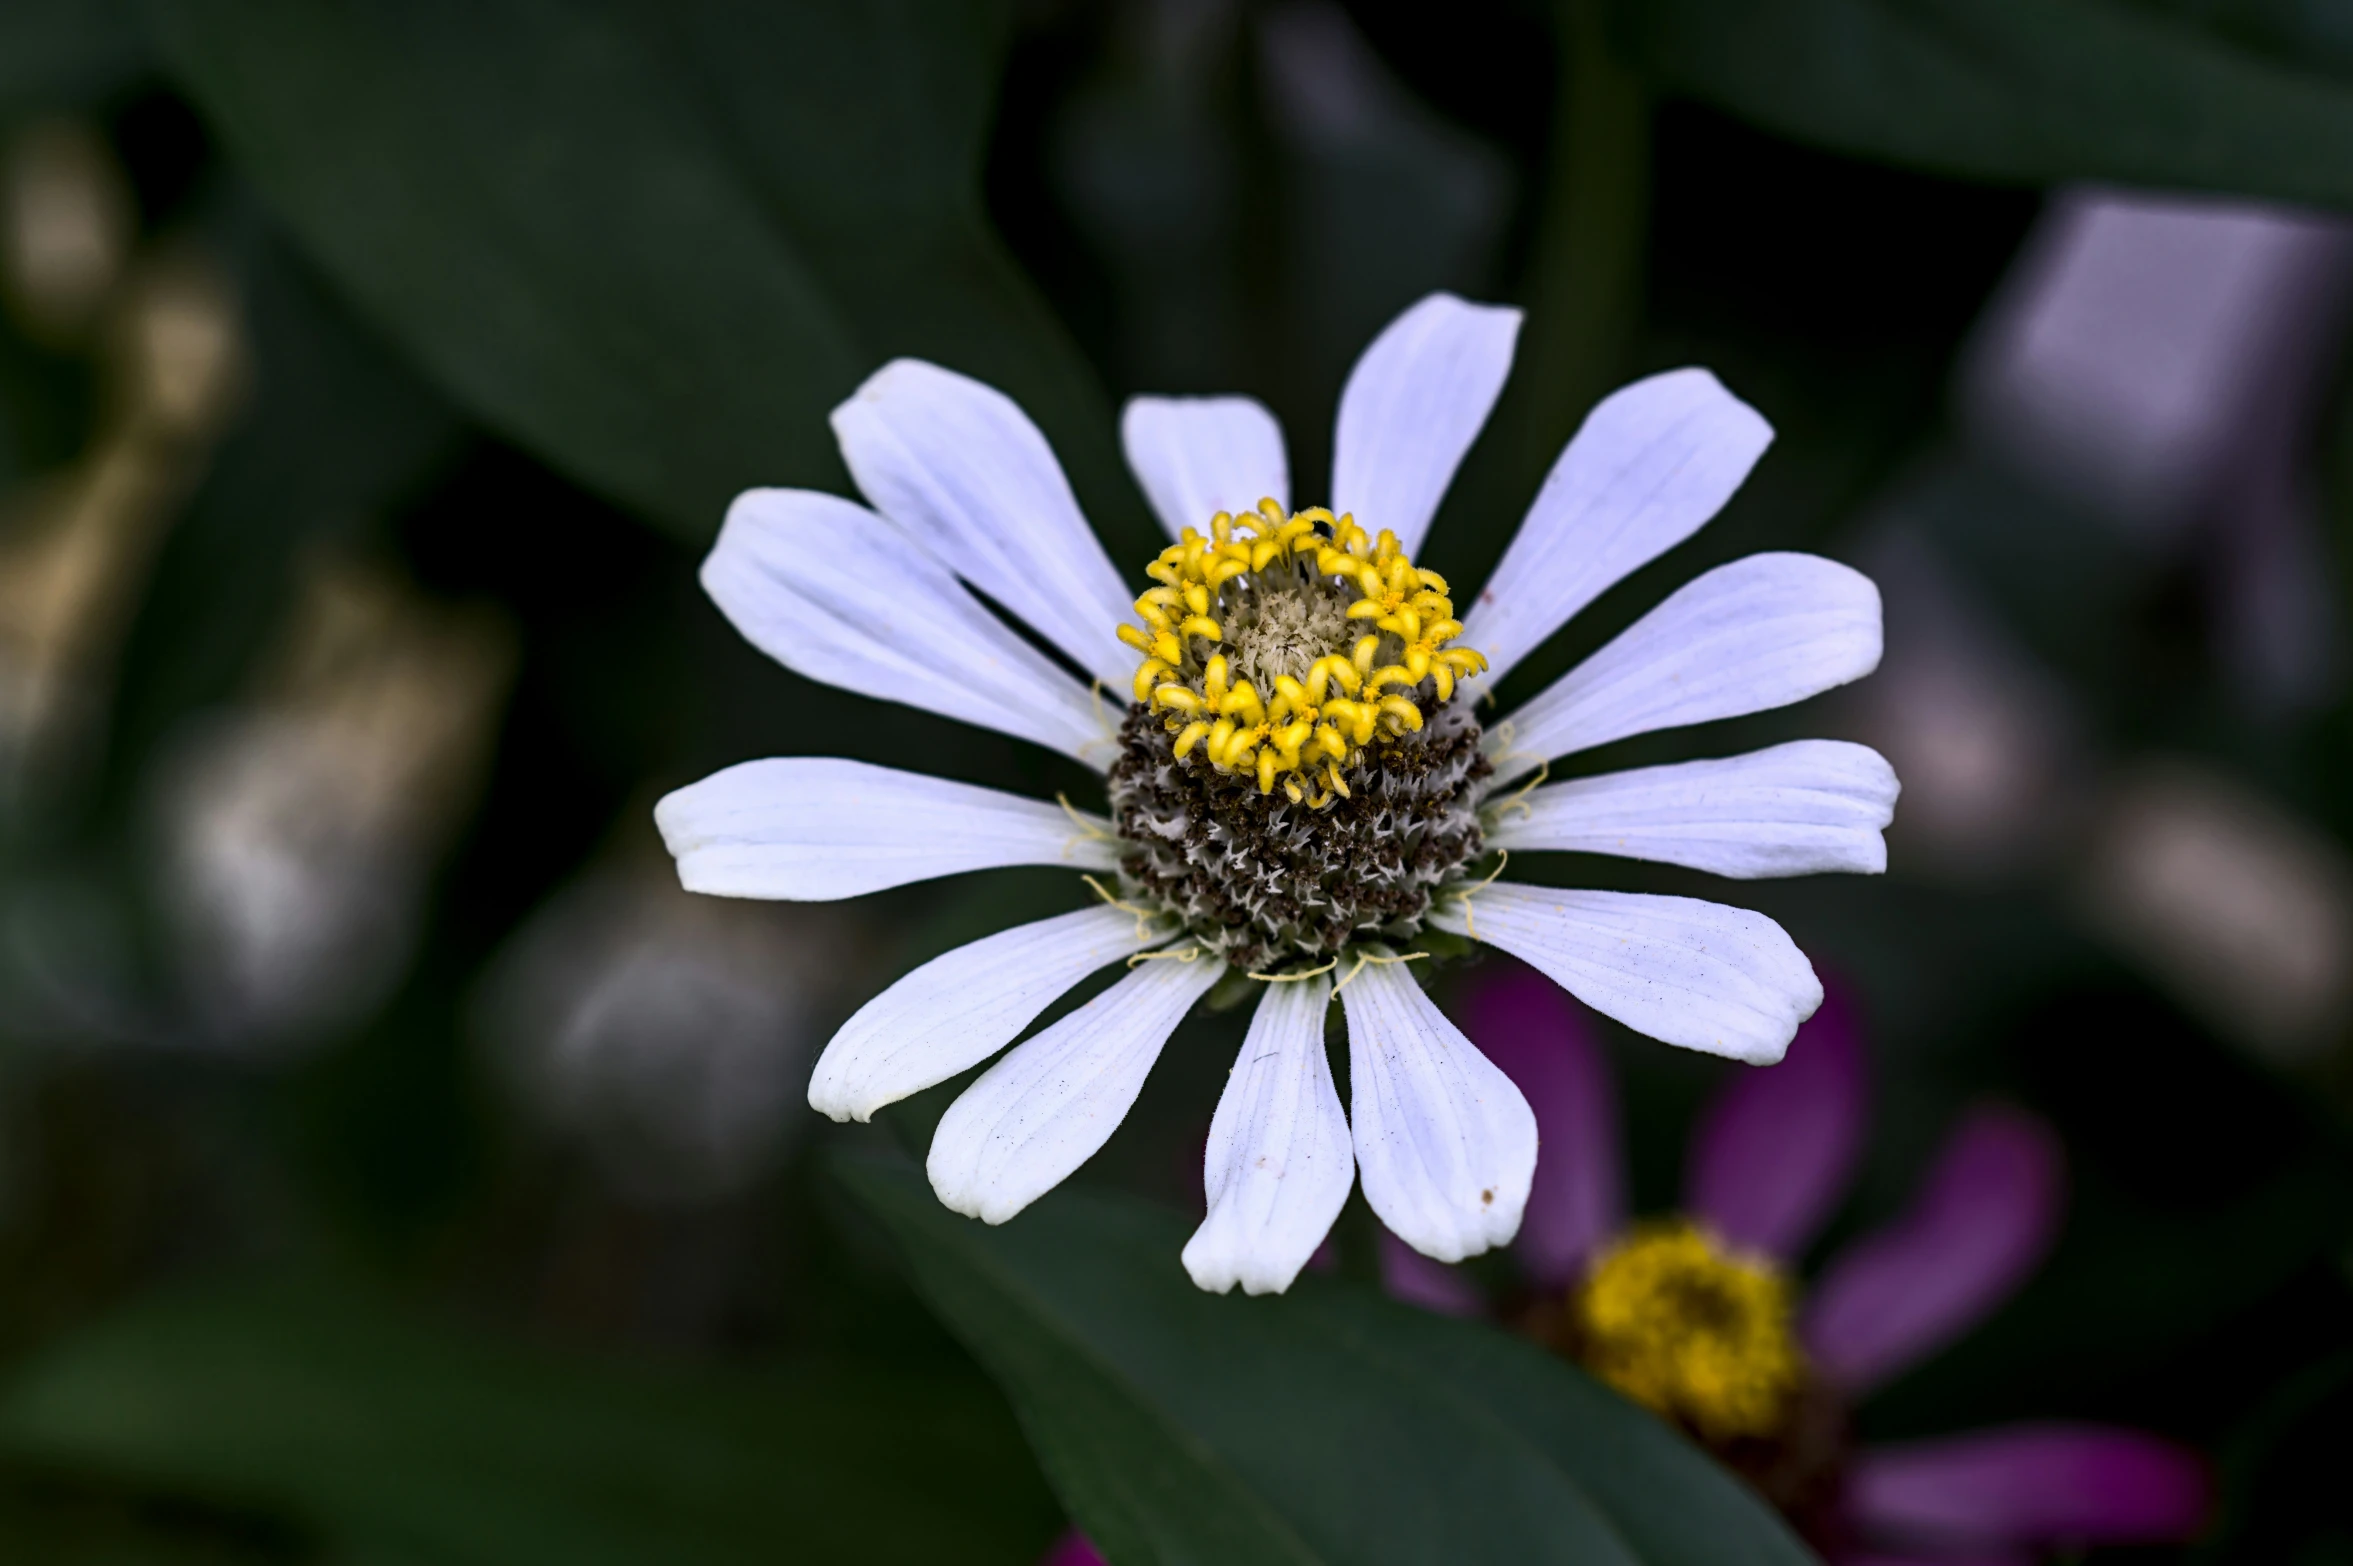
[1691, 1330]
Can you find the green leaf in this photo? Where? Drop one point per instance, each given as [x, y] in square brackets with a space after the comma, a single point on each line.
[396, 1440]
[1326, 1425]
[864, 123]
[655, 245]
[55, 53]
[67, 1524]
[2025, 90]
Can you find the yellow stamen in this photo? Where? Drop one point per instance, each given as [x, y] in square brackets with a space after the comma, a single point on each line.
[1518, 800]
[1145, 917]
[1294, 978]
[1305, 729]
[1086, 829]
[1470, 919]
[1692, 1330]
[1365, 959]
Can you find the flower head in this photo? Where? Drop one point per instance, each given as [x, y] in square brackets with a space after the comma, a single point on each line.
[1292, 656]
[1701, 1318]
[1302, 792]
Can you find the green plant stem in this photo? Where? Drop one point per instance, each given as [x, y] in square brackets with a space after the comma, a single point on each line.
[1586, 283]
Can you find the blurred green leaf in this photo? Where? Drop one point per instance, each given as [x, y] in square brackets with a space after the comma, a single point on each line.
[56, 52]
[655, 246]
[1328, 1424]
[864, 122]
[394, 1440]
[2030, 90]
[79, 1525]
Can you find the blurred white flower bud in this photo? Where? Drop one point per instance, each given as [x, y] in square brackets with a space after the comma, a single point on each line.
[1992, 755]
[183, 356]
[668, 1035]
[301, 831]
[65, 228]
[74, 547]
[2142, 340]
[2161, 361]
[2240, 908]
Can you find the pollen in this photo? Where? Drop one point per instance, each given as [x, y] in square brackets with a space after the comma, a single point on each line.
[1692, 1331]
[1282, 648]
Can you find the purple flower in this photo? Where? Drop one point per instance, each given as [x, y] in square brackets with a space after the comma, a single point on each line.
[1701, 1321]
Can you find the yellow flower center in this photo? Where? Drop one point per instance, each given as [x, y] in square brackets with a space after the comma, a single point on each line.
[1286, 646]
[1691, 1331]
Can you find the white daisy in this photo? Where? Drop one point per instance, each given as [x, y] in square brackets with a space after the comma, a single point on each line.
[1303, 797]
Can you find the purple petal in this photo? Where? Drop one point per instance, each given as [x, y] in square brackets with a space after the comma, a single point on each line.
[1771, 1157]
[2038, 1486]
[1988, 1215]
[1544, 1042]
[1072, 1549]
[1410, 1276]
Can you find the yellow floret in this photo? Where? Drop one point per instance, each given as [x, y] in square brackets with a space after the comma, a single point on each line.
[1307, 731]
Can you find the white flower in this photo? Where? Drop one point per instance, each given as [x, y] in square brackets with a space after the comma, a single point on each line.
[1301, 790]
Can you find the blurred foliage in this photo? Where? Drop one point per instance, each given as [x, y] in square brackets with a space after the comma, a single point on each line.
[1185, 1426]
[2251, 99]
[600, 226]
[516, 280]
[66, 51]
[388, 1439]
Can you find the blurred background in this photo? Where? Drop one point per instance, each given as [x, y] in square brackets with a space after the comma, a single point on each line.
[395, 1166]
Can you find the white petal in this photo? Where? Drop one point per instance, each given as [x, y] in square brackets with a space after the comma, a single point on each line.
[1747, 637]
[1445, 1143]
[965, 472]
[1046, 1108]
[1701, 975]
[1797, 809]
[1648, 468]
[1197, 456]
[810, 829]
[960, 1008]
[1278, 1166]
[833, 591]
[1414, 403]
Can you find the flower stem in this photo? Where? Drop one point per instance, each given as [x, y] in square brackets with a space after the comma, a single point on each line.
[1585, 287]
